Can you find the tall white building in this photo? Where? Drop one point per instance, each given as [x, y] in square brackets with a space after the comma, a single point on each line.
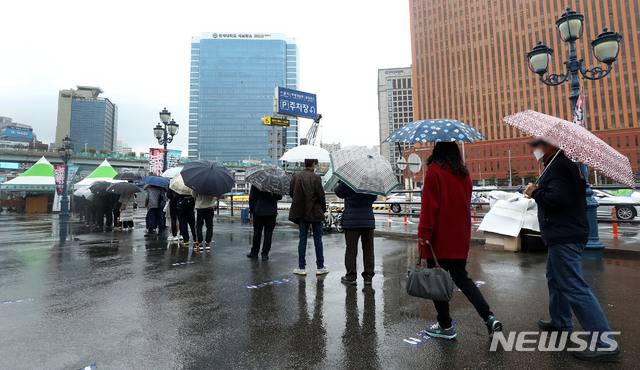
[395, 108]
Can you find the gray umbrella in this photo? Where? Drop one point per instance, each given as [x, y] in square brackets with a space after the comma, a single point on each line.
[269, 178]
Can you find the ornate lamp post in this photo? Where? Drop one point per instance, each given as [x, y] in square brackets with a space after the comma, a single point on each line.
[605, 49]
[164, 134]
[65, 154]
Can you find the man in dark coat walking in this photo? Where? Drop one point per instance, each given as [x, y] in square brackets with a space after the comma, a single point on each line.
[562, 213]
[264, 207]
[358, 223]
[308, 205]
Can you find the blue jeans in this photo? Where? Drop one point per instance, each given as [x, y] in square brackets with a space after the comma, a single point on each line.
[317, 241]
[155, 220]
[569, 292]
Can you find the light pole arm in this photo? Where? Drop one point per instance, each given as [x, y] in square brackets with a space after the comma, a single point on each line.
[554, 79]
[594, 73]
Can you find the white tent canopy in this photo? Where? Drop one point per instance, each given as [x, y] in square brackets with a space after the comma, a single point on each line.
[40, 177]
[104, 172]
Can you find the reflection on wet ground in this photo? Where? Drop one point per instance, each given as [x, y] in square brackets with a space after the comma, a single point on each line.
[70, 298]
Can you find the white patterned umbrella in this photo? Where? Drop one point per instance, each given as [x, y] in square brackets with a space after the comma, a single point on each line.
[364, 170]
[577, 142]
[268, 178]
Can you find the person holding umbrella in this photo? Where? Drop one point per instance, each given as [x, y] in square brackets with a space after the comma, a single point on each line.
[186, 207]
[358, 223]
[264, 208]
[364, 174]
[205, 206]
[562, 214]
[125, 193]
[268, 184]
[155, 202]
[208, 180]
[308, 205]
[445, 223]
[173, 214]
[186, 218]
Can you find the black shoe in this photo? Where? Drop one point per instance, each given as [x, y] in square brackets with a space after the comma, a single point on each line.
[547, 325]
[598, 356]
[493, 325]
[265, 257]
[346, 281]
[252, 256]
[148, 235]
[368, 280]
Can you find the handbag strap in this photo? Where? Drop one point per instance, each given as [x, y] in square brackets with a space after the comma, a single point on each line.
[432, 253]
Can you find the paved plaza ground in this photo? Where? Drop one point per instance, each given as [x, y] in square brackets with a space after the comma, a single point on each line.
[119, 301]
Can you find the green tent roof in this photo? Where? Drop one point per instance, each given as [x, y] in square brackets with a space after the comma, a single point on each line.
[104, 171]
[39, 169]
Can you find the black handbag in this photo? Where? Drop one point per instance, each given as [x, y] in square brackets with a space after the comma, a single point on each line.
[429, 283]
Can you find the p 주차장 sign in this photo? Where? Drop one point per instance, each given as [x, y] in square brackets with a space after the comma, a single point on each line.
[296, 103]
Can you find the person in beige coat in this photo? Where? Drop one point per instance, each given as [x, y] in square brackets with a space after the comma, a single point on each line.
[205, 207]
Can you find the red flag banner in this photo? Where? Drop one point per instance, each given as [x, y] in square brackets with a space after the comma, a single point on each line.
[156, 161]
[58, 172]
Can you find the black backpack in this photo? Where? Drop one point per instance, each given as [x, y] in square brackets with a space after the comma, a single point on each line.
[186, 202]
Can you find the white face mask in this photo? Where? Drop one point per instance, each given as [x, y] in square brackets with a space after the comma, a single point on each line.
[539, 154]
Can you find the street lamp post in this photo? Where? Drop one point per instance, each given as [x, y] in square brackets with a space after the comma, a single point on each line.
[164, 134]
[65, 154]
[605, 49]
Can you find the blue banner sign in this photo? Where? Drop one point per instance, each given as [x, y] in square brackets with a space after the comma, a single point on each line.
[17, 134]
[296, 103]
[9, 166]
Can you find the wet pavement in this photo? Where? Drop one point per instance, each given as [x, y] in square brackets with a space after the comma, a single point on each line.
[117, 300]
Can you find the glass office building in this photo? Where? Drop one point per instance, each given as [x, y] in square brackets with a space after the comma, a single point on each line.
[88, 119]
[94, 122]
[233, 81]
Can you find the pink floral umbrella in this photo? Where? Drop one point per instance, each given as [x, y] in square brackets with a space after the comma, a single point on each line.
[577, 143]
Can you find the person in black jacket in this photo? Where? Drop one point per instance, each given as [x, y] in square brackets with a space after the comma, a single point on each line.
[264, 207]
[186, 216]
[173, 214]
[562, 213]
[358, 223]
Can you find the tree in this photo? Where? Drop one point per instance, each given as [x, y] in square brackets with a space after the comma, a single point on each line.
[104, 151]
[132, 154]
[530, 177]
[92, 150]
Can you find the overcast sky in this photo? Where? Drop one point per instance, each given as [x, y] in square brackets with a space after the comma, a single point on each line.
[138, 53]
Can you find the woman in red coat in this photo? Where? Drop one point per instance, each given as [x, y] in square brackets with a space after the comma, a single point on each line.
[445, 223]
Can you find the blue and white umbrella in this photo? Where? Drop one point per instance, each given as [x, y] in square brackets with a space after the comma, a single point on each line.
[434, 131]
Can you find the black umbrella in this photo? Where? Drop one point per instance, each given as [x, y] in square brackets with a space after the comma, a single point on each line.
[129, 176]
[207, 177]
[123, 188]
[100, 188]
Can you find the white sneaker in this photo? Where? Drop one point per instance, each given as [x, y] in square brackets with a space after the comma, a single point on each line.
[322, 271]
[300, 272]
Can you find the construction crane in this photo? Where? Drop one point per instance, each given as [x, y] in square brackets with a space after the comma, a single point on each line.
[310, 138]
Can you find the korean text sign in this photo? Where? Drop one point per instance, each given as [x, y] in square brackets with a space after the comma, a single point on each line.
[296, 103]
